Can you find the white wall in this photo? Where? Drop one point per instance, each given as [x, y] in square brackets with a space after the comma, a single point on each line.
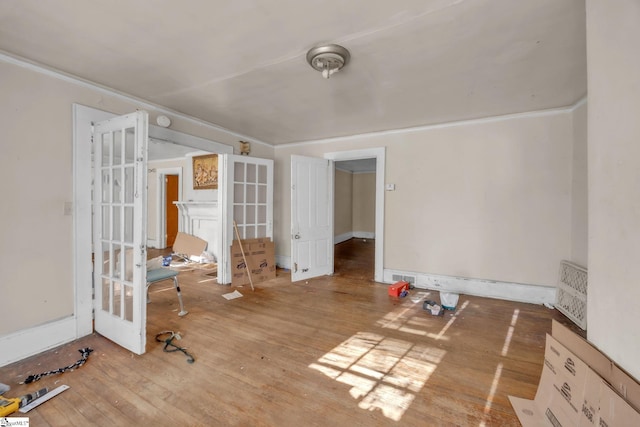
[36, 274]
[579, 188]
[613, 31]
[189, 193]
[343, 205]
[37, 174]
[364, 203]
[488, 199]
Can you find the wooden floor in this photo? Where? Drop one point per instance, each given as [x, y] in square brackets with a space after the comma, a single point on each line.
[333, 351]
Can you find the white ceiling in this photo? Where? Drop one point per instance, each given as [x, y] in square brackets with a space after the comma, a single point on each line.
[241, 64]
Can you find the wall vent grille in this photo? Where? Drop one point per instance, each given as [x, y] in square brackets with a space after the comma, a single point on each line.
[571, 295]
[408, 279]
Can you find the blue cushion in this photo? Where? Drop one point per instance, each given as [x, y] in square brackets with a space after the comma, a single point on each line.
[158, 274]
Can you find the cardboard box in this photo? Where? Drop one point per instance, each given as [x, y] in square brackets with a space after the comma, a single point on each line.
[614, 410]
[187, 245]
[570, 393]
[561, 390]
[396, 289]
[260, 254]
[621, 382]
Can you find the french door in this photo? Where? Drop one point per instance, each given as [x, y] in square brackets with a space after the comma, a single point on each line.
[119, 229]
[245, 186]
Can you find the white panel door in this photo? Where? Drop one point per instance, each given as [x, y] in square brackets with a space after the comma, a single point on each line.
[311, 217]
[246, 197]
[119, 231]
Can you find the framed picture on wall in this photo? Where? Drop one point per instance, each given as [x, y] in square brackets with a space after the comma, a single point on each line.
[205, 172]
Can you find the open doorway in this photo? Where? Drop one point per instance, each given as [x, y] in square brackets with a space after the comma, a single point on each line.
[83, 118]
[165, 186]
[354, 218]
[377, 157]
[172, 194]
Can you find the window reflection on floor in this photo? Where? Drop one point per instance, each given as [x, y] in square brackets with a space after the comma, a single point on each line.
[385, 373]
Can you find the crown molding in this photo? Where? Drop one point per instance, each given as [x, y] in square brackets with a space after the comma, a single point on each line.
[79, 81]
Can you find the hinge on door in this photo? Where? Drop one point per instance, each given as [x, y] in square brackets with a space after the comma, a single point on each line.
[142, 256]
[295, 267]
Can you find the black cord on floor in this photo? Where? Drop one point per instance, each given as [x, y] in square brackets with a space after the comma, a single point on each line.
[168, 342]
[85, 355]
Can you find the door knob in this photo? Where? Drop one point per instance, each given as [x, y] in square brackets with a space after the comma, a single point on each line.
[297, 236]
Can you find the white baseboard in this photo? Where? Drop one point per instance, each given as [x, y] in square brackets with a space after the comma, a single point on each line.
[535, 294]
[22, 344]
[342, 237]
[364, 235]
[283, 261]
[353, 234]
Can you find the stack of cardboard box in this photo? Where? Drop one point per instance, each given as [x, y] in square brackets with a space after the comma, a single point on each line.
[260, 256]
[579, 386]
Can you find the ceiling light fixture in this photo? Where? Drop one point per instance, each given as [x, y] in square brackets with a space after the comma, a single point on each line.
[163, 121]
[328, 59]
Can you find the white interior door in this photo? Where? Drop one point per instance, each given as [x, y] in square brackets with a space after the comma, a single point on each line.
[245, 196]
[311, 217]
[119, 231]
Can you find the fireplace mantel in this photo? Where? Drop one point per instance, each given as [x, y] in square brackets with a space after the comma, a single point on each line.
[200, 218]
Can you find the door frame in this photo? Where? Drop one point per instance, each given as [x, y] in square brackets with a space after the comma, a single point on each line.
[226, 204]
[83, 117]
[123, 319]
[161, 224]
[378, 154]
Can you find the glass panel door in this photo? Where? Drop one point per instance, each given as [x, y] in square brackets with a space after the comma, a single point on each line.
[246, 197]
[119, 229]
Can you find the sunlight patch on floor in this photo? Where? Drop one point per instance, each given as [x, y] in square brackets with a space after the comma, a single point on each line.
[512, 327]
[384, 373]
[492, 393]
[498, 374]
[406, 319]
[450, 322]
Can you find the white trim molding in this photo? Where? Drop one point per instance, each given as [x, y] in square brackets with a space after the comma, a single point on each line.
[157, 108]
[353, 235]
[342, 237]
[22, 344]
[161, 197]
[364, 235]
[283, 261]
[520, 292]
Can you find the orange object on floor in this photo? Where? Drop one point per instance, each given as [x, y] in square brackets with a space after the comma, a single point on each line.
[396, 289]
